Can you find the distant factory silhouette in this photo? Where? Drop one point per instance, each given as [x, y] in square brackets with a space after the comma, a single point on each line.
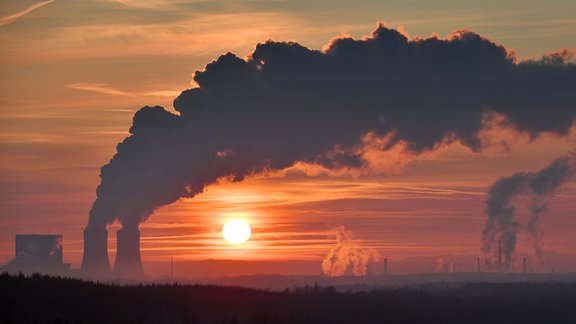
[38, 253]
[41, 253]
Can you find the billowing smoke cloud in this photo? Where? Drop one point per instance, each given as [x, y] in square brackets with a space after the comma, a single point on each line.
[348, 254]
[286, 103]
[538, 186]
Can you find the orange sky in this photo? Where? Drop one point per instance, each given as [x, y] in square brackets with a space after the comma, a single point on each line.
[70, 82]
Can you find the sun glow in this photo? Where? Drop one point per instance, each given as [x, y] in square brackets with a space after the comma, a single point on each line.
[236, 231]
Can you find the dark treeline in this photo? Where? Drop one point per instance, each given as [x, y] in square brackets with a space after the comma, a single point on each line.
[42, 299]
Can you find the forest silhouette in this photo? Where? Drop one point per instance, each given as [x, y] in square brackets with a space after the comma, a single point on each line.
[43, 299]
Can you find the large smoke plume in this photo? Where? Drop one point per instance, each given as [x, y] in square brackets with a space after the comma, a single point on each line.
[348, 254]
[286, 103]
[538, 187]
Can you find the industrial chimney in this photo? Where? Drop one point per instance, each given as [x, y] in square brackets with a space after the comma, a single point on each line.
[95, 259]
[128, 260]
[524, 261]
[478, 264]
[499, 257]
[386, 267]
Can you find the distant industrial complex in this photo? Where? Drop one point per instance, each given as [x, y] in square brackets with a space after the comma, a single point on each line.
[44, 254]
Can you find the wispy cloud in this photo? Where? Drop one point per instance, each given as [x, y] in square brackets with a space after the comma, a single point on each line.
[103, 88]
[100, 88]
[162, 93]
[12, 18]
[151, 4]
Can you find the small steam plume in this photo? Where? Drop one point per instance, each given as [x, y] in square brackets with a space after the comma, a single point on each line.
[285, 104]
[439, 265]
[347, 254]
[539, 186]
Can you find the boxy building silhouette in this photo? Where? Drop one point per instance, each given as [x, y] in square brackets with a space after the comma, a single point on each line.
[39, 253]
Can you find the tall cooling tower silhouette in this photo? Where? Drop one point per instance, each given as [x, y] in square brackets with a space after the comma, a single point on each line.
[128, 260]
[95, 259]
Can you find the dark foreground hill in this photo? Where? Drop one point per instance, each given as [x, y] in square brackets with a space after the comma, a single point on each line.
[42, 299]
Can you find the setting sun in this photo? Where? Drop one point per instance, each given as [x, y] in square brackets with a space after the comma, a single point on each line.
[236, 231]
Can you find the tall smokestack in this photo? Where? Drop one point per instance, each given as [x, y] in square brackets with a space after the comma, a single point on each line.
[386, 267]
[95, 259]
[524, 265]
[128, 260]
[539, 186]
[478, 265]
[499, 257]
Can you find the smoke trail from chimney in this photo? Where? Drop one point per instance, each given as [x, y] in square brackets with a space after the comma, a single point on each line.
[534, 230]
[502, 227]
[286, 104]
[348, 254]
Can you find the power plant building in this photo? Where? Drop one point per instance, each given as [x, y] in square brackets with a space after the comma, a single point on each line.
[38, 253]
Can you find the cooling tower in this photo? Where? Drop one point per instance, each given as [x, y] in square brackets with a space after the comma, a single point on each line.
[128, 261]
[95, 259]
